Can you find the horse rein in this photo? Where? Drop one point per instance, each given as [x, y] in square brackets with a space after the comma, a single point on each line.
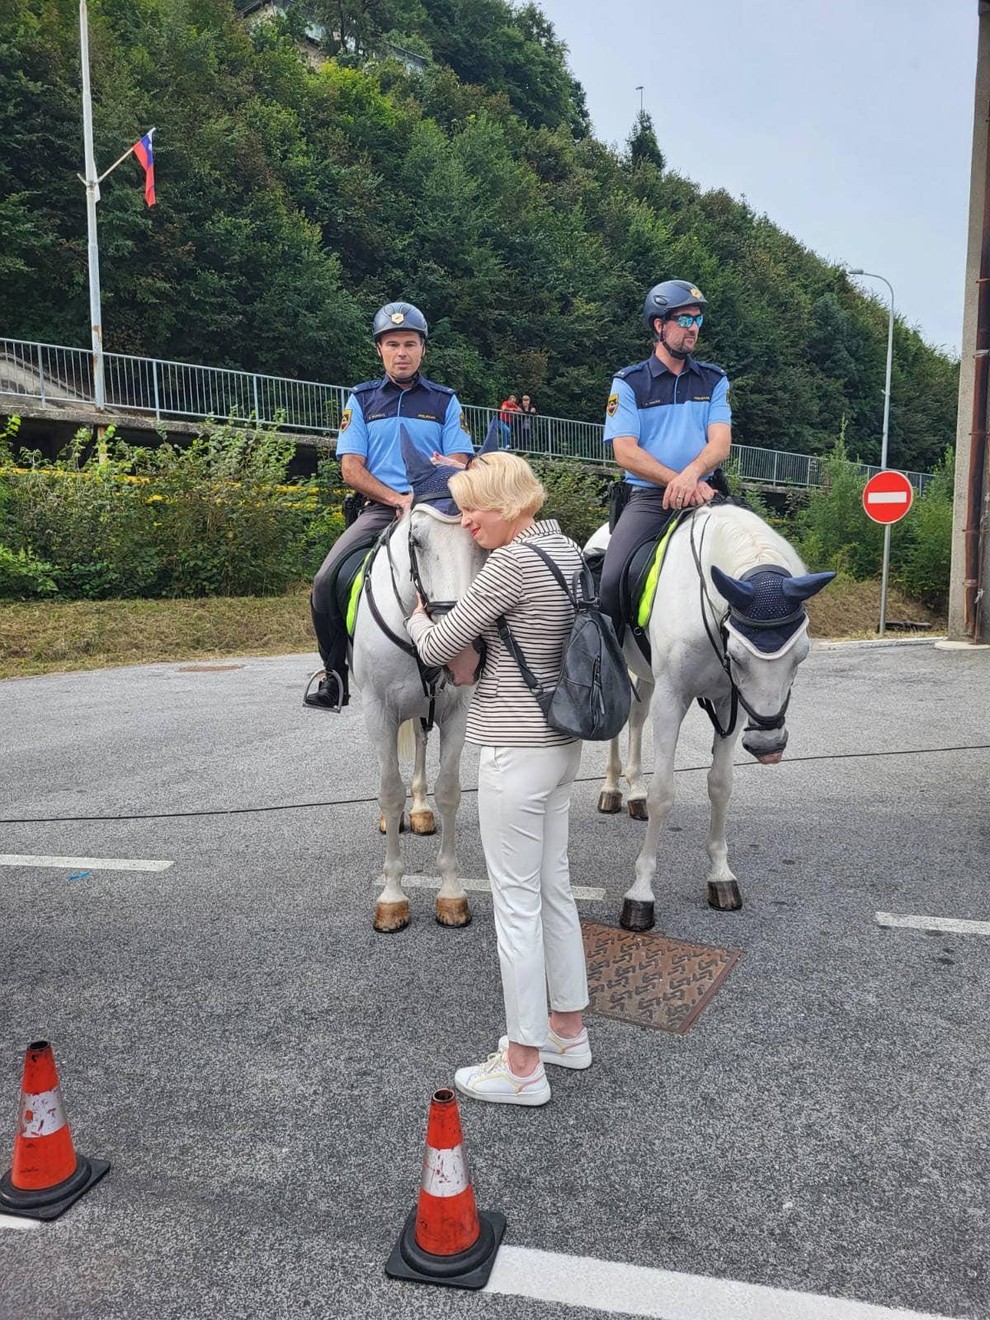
[432, 677]
[756, 720]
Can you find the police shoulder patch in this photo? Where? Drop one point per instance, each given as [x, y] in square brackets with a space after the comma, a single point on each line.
[612, 406]
[345, 420]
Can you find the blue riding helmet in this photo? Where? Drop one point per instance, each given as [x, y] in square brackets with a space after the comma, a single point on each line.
[668, 296]
[399, 316]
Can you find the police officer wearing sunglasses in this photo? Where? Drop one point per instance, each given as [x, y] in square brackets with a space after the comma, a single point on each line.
[669, 424]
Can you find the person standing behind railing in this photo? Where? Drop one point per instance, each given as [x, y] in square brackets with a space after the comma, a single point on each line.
[527, 411]
[508, 414]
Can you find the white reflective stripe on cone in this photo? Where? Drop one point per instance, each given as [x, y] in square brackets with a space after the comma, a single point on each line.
[445, 1172]
[42, 1114]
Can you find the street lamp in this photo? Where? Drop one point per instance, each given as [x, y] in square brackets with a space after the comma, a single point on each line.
[92, 197]
[883, 444]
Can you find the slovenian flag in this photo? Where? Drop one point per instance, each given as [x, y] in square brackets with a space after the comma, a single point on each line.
[146, 155]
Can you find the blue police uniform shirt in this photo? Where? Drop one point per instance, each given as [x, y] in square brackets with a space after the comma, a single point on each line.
[667, 414]
[377, 409]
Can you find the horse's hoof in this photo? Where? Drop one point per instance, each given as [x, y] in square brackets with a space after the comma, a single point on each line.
[637, 914]
[390, 917]
[402, 824]
[422, 822]
[724, 895]
[638, 809]
[610, 801]
[453, 912]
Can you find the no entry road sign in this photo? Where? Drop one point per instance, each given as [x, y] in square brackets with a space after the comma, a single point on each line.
[887, 496]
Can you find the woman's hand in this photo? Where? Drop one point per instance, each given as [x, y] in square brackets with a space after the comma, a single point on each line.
[420, 607]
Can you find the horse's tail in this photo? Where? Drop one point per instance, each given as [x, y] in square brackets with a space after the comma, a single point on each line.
[405, 741]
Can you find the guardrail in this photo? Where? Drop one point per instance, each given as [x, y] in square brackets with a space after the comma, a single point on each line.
[54, 373]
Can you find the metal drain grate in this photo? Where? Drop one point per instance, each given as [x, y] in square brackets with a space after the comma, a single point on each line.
[652, 980]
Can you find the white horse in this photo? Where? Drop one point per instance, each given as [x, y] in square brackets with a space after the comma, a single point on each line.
[728, 628]
[427, 551]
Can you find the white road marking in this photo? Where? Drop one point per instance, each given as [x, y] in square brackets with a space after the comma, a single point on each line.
[887, 497]
[951, 925]
[605, 1285]
[83, 863]
[15, 1221]
[483, 887]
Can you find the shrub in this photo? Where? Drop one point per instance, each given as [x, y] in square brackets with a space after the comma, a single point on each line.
[215, 517]
[833, 529]
[82, 517]
[923, 569]
[575, 496]
[23, 577]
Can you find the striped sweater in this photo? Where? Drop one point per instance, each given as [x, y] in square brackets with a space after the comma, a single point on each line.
[515, 582]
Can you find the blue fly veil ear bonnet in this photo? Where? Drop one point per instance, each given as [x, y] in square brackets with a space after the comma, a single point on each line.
[766, 606]
[427, 479]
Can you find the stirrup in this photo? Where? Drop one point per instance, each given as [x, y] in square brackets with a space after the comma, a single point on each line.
[319, 677]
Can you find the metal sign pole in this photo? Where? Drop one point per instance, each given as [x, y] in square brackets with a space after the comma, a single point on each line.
[885, 571]
[883, 580]
[92, 197]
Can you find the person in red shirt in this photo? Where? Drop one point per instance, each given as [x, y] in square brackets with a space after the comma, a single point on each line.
[508, 413]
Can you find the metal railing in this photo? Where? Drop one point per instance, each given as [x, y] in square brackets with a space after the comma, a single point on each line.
[53, 373]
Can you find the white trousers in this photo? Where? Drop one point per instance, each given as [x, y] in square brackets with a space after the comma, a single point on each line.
[524, 799]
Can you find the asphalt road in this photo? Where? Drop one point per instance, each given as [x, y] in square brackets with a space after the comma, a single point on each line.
[257, 1063]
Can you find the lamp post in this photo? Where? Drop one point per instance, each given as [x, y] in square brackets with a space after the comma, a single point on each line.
[92, 197]
[640, 90]
[883, 444]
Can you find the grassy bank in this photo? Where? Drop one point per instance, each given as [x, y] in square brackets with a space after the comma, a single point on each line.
[51, 638]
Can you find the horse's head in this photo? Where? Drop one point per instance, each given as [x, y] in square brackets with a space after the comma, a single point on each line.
[766, 637]
[443, 556]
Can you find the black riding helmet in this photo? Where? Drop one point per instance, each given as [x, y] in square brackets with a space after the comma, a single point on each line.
[399, 316]
[668, 296]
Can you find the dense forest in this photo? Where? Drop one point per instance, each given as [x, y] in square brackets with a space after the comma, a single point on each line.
[296, 194]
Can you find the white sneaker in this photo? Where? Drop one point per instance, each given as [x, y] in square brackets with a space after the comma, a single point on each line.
[563, 1051]
[495, 1081]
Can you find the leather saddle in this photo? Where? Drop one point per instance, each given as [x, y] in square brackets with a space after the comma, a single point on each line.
[349, 578]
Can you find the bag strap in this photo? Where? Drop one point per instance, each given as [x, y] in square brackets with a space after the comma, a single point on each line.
[515, 650]
[530, 545]
[507, 635]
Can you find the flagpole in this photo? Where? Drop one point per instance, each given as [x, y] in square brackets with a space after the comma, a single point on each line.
[92, 197]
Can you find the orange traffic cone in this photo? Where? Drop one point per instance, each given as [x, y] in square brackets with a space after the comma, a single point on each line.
[47, 1176]
[445, 1240]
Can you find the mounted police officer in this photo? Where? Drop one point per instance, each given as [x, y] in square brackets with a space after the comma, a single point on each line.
[669, 423]
[371, 464]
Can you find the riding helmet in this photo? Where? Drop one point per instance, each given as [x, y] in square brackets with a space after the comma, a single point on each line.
[399, 316]
[666, 297]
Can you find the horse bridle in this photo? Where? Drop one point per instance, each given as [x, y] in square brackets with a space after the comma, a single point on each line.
[756, 720]
[433, 677]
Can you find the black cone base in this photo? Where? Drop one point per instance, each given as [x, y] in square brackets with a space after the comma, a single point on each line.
[468, 1269]
[50, 1202]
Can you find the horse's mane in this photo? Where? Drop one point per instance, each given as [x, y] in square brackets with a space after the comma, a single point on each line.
[739, 539]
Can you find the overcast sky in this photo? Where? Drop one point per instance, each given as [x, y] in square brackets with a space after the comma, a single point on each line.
[848, 122]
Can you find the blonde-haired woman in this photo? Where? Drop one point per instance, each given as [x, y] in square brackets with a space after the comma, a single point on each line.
[525, 774]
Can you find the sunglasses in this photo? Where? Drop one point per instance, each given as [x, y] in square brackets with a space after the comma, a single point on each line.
[686, 322]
